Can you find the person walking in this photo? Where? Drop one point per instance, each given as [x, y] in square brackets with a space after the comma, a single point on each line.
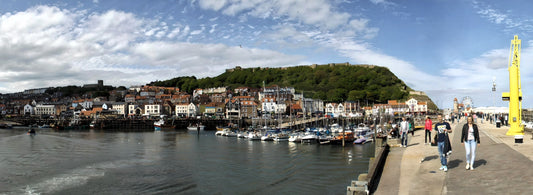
[469, 138]
[442, 128]
[427, 128]
[411, 126]
[404, 130]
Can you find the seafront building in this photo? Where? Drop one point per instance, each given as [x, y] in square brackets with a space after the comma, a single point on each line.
[153, 102]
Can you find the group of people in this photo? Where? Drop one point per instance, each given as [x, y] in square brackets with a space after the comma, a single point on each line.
[469, 138]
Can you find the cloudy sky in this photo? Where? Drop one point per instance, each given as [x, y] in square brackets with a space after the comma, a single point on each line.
[448, 49]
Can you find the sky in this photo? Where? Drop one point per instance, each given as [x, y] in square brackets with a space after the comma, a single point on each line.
[446, 48]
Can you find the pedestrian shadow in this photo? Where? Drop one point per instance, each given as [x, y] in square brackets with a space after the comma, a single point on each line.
[428, 158]
[412, 144]
[479, 162]
[454, 163]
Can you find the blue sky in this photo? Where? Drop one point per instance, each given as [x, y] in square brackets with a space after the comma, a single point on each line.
[448, 49]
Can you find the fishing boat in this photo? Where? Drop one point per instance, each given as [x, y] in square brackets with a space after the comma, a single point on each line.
[195, 127]
[159, 124]
[347, 136]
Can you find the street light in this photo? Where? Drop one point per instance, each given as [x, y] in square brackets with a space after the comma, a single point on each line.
[493, 104]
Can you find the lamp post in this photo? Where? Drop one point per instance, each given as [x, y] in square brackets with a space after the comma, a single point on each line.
[493, 91]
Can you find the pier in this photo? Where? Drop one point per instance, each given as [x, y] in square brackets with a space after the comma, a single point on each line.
[501, 166]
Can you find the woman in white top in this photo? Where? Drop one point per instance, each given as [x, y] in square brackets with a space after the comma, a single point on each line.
[470, 138]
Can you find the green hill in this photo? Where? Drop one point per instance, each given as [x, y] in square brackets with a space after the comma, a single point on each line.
[331, 83]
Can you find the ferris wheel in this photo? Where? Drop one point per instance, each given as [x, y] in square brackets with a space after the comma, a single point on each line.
[467, 102]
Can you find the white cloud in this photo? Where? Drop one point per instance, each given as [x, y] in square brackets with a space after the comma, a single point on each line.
[509, 19]
[383, 2]
[288, 36]
[197, 32]
[47, 46]
[318, 12]
[473, 77]
[173, 33]
[192, 57]
[213, 28]
[185, 32]
[493, 16]
[214, 5]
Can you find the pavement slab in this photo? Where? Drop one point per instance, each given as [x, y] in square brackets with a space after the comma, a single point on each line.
[501, 166]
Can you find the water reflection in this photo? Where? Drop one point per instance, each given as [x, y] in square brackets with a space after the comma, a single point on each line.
[170, 162]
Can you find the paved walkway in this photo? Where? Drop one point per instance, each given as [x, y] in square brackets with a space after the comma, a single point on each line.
[501, 166]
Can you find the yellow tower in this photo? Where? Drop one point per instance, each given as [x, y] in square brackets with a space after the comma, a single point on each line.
[514, 96]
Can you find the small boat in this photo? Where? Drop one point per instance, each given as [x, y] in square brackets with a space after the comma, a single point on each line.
[242, 135]
[347, 136]
[195, 127]
[267, 138]
[254, 136]
[92, 124]
[309, 137]
[44, 126]
[230, 134]
[159, 124]
[31, 132]
[360, 140]
[281, 137]
[296, 137]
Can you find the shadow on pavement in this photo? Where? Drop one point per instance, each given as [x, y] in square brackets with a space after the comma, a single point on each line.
[428, 158]
[477, 163]
[454, 163]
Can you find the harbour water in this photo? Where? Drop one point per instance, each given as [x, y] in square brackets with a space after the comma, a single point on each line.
[172, 162]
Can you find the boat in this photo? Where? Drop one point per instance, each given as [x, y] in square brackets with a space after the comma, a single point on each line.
[195, 127]
[92, 124]
[309, 137]
[336, 128]
[6, 126]
[295, 137]
[348, 137]
[325, 139]
[267, 138]
[281, 137]
[230, 134]
[269, 135]
[360, 140]
[159, 124]
[365, 132]
[44, 126]
[254, 136]
[31, 132]
[242, 134]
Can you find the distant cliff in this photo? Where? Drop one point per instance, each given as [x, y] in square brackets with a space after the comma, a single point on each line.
[330, 82]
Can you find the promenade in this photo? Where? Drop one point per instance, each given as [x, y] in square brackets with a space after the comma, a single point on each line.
[501, 166]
